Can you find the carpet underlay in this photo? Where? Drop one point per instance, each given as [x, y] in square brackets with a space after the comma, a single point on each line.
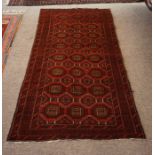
[9, 27]
[53, 2]
[76, 85]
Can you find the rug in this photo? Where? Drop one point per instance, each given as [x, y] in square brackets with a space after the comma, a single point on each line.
[75, 86]
[53, 2]
[9, 27]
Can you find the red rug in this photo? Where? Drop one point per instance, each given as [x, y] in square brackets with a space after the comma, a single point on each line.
[9, 27]
[52, 2]
[4, 26]
[75, 85]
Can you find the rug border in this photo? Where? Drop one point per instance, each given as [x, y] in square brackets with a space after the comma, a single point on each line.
[41, 3]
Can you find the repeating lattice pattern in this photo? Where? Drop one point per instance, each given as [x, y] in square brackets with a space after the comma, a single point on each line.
[75, 85]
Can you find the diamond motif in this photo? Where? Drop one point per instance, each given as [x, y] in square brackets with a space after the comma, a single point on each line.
[67, 80]
[87, 81]
[88, 100]
[76, 72]
[66, 99]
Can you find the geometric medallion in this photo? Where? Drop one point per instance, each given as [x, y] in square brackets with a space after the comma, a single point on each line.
[66, 99]
[76, 72]
[77, 90]
[58, 57]
[76, 111]
[98, 90]
[55, 89]
[86, 80]
[94, 58]
[67, 80]
[88, 100]
[97, 73]
[52, 110]
[77, 58]
[56, 71]
[101, 111]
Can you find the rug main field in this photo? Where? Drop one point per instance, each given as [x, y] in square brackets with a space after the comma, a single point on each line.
[75, 85]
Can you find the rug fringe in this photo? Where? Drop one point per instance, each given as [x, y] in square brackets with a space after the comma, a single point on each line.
[12, 12]
[70, 140]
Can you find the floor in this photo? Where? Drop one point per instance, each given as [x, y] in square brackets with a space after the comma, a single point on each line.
[133, 27]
